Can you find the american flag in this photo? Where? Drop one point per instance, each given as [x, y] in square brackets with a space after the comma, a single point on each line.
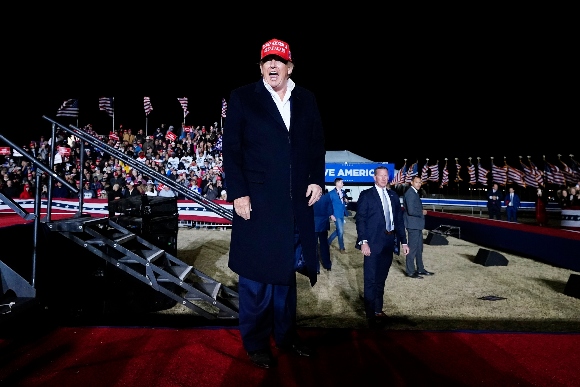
[106, 104]
[539, 175]
[425, 172]
[412, 171]
[471, 170]
[498, 174]
[515, 175]
[399, 177]
[553, 174]
[458, 167]
[70, 108]
[183, 102]
[529, 175]
[568, 173]
[224, 107]
[481, 173]
[445, 177]
[434, 172]
[147, 105]
[576, 168]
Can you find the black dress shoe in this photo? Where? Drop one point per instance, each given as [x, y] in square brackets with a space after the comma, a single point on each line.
[414, 275]
[381, 316]
[262, 358]
[425, 272]
[298, 349]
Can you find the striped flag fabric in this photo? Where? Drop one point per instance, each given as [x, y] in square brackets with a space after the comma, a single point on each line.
[471, 171]
[458, 167]
[552, 174]
[69, 108]
[183, 102]
[516, 176]
[412, 171]
[445, 177]
[576, 168]
[106, 104]
[224, 107]
[425, 172]
[147, 105]
[400, 176]
[538, 174]
[481, 173]
[567, 172]
[434, 172]
[498, 174]
[529, 175]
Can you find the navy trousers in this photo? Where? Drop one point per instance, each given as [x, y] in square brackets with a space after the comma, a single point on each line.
[266, 310]
[375, 271]
[324, 250]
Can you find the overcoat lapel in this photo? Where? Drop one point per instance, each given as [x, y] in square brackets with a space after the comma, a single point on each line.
[269, 105]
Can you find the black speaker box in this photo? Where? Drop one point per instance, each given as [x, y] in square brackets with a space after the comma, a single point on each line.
[148, 225]
[144, 206]
[435, 239]
[572, 288]
[490, 258]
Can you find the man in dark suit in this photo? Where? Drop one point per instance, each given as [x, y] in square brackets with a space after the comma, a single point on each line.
[414, 217]
[494, 200]
[512, 203]
[323, 214]
[273, 151]
[378, 218]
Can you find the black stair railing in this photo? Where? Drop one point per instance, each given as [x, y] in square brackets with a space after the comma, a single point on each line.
[144, 169]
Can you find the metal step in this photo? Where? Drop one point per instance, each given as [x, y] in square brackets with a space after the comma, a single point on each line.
[154, 267]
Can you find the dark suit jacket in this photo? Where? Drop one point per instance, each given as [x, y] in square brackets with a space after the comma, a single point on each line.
[516, 201]
[413, 215]
[273, 166]
[494, 203]
[370, 219]
[322, 211]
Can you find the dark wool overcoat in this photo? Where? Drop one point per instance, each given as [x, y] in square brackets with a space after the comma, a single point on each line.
[273, 166]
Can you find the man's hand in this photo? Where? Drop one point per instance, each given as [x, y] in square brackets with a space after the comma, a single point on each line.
[365, 249]
[405, 249]
[242, 206]
[315, 192]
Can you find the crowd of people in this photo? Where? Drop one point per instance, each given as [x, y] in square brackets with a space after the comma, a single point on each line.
[190, 156]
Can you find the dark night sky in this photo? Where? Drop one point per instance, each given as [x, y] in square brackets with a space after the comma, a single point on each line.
[460, 89]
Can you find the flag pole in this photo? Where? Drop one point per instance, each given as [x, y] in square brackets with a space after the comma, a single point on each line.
[113, 113]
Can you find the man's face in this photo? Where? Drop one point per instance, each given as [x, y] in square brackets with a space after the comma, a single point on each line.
[416, 183]
[276, 72]
[339, 184]
[381, 178]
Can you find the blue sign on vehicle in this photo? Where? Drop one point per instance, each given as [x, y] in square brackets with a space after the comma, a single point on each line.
[355, 172]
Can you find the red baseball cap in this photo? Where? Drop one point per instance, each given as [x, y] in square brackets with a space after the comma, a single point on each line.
[276, 47]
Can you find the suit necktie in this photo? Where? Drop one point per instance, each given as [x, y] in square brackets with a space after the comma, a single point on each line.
[386, 210]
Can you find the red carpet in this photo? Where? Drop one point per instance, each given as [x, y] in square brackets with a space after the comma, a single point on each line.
[101, 356]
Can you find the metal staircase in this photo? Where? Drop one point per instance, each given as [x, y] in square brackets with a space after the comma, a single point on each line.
[122, 248]
[151, 265]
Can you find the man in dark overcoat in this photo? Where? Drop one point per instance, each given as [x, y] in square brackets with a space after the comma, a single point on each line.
[273, 151]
